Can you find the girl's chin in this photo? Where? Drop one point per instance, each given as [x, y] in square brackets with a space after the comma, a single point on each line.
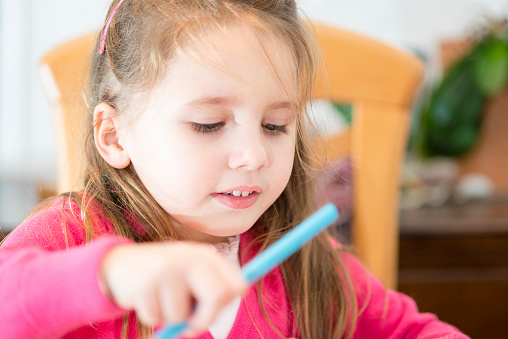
[214, 231]
[224, 234]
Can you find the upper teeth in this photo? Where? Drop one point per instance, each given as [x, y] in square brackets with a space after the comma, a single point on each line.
[238, 193]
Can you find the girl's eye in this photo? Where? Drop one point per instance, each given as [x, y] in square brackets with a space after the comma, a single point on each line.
[275, 129]
[208, 128]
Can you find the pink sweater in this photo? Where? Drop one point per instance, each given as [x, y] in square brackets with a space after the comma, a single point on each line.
[47, 291]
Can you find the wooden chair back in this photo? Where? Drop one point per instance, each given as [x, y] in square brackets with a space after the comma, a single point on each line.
[380, 82]
[63, 72]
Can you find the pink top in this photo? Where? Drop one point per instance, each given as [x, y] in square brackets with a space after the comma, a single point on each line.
[47, 291]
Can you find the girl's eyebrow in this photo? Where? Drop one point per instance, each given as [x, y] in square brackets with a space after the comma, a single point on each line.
[214, 101]
[282, 104]
[231, 101]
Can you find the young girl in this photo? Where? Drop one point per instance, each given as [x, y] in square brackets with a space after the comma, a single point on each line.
[197, 160]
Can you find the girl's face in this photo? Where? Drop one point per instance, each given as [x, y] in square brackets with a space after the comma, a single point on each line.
[216, 141]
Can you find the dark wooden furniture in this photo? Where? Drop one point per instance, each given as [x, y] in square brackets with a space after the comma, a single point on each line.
[454, 262]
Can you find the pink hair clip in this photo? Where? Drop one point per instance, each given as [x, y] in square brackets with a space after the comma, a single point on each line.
[103, 40]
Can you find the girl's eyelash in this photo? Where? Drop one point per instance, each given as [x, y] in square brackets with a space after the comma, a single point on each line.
[275, 129]
[208, 128]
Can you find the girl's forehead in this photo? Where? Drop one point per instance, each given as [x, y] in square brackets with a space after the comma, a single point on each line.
[216, 46]
[236, 48]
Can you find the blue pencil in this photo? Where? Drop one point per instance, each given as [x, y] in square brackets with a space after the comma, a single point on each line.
[275, 254]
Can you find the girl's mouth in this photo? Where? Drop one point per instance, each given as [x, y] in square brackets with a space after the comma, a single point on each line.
[237, 199]
[238, 193]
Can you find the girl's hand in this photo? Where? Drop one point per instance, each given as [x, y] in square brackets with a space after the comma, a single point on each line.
[161, 282]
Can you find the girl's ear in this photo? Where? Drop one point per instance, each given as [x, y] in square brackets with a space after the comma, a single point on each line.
[106, 137]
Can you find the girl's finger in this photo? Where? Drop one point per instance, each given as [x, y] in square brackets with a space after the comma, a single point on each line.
[214, 286]
[175, 300]
[148, 309]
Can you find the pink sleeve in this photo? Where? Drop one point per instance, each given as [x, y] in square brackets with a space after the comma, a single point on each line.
[386, 313]
[47, 290]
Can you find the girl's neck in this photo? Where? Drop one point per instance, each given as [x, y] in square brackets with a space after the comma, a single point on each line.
[187, 233]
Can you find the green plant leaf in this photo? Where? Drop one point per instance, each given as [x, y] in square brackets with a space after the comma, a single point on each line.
[345, 110]
[491, 66]
[451, 120]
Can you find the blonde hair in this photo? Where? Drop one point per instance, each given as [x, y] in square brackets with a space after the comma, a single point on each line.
[134, 62]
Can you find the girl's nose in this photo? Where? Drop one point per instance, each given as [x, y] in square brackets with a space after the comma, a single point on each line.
[249, 152]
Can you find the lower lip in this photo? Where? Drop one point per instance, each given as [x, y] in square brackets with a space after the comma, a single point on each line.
[237, 203]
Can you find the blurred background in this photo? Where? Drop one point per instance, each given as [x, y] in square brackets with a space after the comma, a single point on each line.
[454, 182]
